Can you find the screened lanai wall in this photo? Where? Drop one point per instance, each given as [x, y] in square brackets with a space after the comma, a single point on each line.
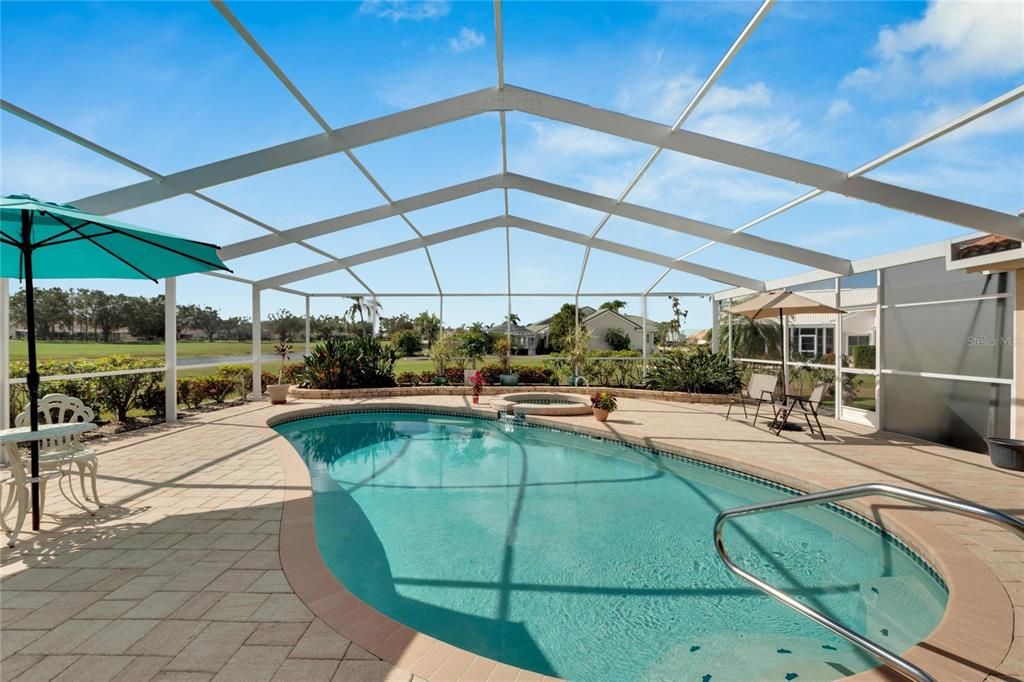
[509, 222]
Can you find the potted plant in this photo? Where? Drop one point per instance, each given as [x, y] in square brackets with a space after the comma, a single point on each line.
[477, 381]
[604, 403]
[502, 348]
[279, 392]
[1006, 453]
[441, 353]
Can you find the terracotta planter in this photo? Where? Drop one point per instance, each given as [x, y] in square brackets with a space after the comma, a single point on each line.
[600, 415]
[476, 400]
[278, 393]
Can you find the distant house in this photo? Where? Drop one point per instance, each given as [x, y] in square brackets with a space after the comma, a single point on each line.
[524, 340]
[814, 335]
[699, 338]
[598, 322]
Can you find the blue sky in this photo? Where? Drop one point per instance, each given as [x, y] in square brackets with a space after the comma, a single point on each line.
[171, 85]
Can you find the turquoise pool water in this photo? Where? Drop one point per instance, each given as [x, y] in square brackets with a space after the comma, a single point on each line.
[589, 560]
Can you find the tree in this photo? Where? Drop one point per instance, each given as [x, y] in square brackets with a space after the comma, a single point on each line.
[205, 318]
[360, 306]
[145, 317]
[322, 327]
[407, 342]
[614, 306]
[678, 318]
[429, 327]
[562, 324]
[285, 325]
[108, 313]
[236, 328]
[512, 319]
[389, 326]
[616, 338]
[475, 344]
[753, 338]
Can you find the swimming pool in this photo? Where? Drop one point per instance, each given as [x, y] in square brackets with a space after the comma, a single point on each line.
[590, 560]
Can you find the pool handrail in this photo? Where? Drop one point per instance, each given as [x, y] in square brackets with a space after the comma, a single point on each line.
[889, 658]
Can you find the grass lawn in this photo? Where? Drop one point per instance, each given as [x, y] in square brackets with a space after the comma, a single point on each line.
[72, 350]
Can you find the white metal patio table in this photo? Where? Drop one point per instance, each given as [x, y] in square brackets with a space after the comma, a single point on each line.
[20, 481]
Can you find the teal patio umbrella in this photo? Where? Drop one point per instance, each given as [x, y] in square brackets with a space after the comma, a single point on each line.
[42, 240]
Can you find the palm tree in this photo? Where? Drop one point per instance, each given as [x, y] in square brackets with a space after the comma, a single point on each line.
[512, 319]
[753, 338]
[614, 306]
[359, 305]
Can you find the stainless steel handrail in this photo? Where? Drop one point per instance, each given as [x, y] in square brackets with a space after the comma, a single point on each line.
[890, 659]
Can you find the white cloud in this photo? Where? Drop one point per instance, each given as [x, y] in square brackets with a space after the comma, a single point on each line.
[402, 10]
[52, 177]
[467, 40]
[953, 41]
[837, 109]
[554, 140]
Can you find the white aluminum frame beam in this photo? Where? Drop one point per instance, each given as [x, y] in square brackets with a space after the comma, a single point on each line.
[678, 223]
[512, 98]
[764, 162]
[369, 215]
[49, 126]
[551, 190]
[250, 40]
[523, 224]
[383, 252]
[920, 141]
[691, 106]
[290, 153]
[634, 253]
[502, 294]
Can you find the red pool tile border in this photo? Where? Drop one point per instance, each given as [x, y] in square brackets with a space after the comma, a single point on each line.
[969, 643]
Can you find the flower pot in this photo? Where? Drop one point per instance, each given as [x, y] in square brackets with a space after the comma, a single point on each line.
[508, 379]
[440, 381]
[278, 393]
[1006, 453]
[476, 400]
[600, 415]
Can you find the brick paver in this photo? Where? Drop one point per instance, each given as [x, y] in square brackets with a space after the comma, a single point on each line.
[180, 576]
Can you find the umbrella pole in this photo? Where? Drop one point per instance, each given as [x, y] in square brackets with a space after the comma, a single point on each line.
[33, 374]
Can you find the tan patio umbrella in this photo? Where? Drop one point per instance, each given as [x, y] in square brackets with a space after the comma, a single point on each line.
[781, 303]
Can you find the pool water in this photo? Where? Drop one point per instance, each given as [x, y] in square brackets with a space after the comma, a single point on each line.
[590, 560]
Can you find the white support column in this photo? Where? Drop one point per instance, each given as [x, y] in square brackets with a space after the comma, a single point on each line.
[171, 349]
[441, 314]
[373, 316]
[5, 353]
[730, 335]
[837, 349]
[879, 351]
[257, 346]
[715, 341]
[643, 315]
[307, 326]
[785, 354]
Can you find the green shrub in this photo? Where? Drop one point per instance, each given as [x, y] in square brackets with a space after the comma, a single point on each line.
[863, 357]
[533, 375]
[492, 373]
[407, 342]
[617, 339]
[362, 362]
[120, 394]
[153, 399]
[409, 379]
[699, 371]
[190, 392]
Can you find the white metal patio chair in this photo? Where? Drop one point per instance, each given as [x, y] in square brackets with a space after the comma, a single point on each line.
[760, 389]
[60, 452]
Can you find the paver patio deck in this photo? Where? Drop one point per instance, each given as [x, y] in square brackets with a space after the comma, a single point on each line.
[180, 577]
